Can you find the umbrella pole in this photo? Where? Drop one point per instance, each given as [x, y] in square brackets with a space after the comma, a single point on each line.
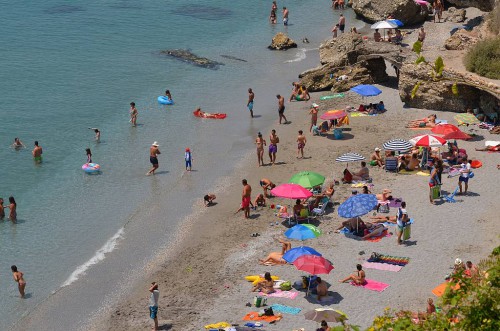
[308, 285]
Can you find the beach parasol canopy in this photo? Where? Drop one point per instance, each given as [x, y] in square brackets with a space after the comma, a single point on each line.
[301, 232]
[466, 119]
[428, 140]
[422, 3]
[325, 314]
[357, 205]
[313, 264]
[350, 157]
[333, 115]
[397, 22]
[307, 179]
[399, 145]
[444, 129]
[457, 135]
[291, 191]
[293, 254]
[384, 25]
[366, 90]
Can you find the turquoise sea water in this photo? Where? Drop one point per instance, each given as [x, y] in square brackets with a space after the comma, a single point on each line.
[69, 65]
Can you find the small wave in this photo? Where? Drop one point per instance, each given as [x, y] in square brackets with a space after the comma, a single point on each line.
[108, 247]
[299, 56]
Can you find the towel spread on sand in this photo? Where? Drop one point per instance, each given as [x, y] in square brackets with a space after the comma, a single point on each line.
[395, 202]
[379, 237]
[277, 308]
[220, 325]
[382, 266]
[373, 285]
[441, 288]
[254, 316]
[388, 259]
[358, 114]
[423, 173]
[282, 294]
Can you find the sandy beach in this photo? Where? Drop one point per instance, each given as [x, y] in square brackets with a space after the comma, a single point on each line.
[201, 277]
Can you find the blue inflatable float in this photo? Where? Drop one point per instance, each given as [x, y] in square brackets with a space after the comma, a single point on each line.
[165, 100]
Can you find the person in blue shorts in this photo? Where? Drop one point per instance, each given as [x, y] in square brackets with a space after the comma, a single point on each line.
[153, 304]
[188, 158]
[251, 96]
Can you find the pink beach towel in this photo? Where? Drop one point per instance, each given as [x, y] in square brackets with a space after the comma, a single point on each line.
[382, 266]
[373, 285]
[282, 294]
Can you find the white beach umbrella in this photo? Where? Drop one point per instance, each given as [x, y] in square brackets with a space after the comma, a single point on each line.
[384, 25]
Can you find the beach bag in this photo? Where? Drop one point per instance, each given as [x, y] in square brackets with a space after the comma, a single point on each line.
[286, 286]
[259, 301]
[375, 257]
[269, 311]
[471, 174]
[384, 208]
[436, 191]
[407, 232]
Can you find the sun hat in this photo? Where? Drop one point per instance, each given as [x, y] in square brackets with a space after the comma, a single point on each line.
[377, 149]
[458, 261]
[315, 105]
[155, 144]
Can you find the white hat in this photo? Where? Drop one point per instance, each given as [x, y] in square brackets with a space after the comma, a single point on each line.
[315, 105]
[155, 144]
[458, 261]
[377, 149]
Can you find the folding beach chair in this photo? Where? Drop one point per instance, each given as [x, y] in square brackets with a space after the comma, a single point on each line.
[451, 197]
[391, 164]
[320, 211]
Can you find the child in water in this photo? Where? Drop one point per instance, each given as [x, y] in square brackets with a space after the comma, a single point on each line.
[89, 155]
[188, 158]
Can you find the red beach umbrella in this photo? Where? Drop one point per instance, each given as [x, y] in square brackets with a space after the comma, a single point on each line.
[457, 135]
[333, 115]
[291, 191]
[444, 128]
[313, 264]
[428, 140]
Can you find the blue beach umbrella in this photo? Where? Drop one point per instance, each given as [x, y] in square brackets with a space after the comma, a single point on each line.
[366, 90]
[297, 252]
[397, 22]
[357, 205]
[300, 232]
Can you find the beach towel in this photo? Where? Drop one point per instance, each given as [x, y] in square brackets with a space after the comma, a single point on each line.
[358, 114]
[373, 285]
[281, 294]
[394, 260]
[382, 266]
[336, 95]
[379, 237]
[220, 325]
[441, 288]
[491, 143]
[277, 308]
[254, 316]
[407, 172]
[423, 173]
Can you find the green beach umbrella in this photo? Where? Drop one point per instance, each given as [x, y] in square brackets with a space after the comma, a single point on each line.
[314, 229]
[307, 179]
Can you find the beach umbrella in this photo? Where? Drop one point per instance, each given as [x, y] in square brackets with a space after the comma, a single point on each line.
[333, 115]
[457, 135]
[428, 140]
[444, 129]
[291, 191]
[350, 157]
[314, 229]
[466, 119]
[293, 254]
[422, 3]
[384, 25]
[357, 205]
[366, 90]
[313, 264]
[399, 145]
[307, 179]
[300, 232]
[325, 314]
[397, 22]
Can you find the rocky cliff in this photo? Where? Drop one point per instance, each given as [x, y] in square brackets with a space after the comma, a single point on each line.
[484, 5]
[407, 11]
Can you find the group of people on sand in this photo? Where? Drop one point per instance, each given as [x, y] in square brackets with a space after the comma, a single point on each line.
[261, 143]
[299, 93]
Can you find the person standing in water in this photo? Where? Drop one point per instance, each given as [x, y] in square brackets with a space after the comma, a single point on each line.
[260, 142]
[97, 134]
[13, 210]
[18, 144]
[342, 23]
[153, 158]
[188, 157]
[285, 16]
[251, 96]
[2, 211]
[37, 153]
[168, 95]
[273, 146]
[133, 114]
[89, 155]
[281, 108]
[18, 278]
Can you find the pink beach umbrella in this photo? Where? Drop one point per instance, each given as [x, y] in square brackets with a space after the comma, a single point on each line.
[333, 115]
[428, 140]
[291, 191]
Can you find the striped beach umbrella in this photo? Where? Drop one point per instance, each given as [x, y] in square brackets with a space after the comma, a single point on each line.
[350, 157]
[428, 140]
[399, 145]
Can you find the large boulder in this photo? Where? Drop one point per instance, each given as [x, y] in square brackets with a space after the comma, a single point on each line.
[282, 42]
[407, 11]
[484, 5]
[454, 15]
[460, 40]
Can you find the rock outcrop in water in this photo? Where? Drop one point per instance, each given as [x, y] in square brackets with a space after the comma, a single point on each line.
[484, 5]
[407, 11]
[187, 56]
[282, 42]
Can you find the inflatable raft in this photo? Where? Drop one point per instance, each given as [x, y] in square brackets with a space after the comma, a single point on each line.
[165, 100]
[218, 116]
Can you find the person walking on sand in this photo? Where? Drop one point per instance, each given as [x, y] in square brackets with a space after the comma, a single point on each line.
[245, 198]
[12, 210]
[153, 304]
[437, 10]
[133, 114]
[153, 158]
[37, 153]
[97, 134]
[188, 157]
[421, 35]
[301, 143]
[18, 278]
[273, 146]
[251, 96]
[285, 16]
[401, 220]
[335, 29]
[342, 23]
[314, 116]
[2, 211]
[260, 142]
[464, 175]
[281, 108]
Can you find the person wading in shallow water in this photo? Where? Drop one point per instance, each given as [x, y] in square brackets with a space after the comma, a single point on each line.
[251, 96]
[153, 158]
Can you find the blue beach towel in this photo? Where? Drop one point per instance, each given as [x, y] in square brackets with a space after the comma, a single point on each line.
[285, 309]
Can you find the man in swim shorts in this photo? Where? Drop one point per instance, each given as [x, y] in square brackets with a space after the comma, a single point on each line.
[153, 304]
[246, 198]
[37, 153]
[266, 184]
[273, 146]
[251, 96]
[285, 16]
[281, 108]
[342, 23]
[301, 143]
[153, 158]
[133, 114]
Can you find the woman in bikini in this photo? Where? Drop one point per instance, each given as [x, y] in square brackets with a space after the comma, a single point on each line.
[13, 209]
[275, 258]
[428, 122]
[265, 286]
[358, 277]
[260, 142]
[18, 277]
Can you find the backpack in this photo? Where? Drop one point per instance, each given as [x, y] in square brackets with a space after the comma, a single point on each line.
[286, 286]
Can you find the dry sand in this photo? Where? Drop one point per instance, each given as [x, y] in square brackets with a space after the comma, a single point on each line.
[201, 277]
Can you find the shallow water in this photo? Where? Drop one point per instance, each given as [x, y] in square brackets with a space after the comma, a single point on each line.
[65, 68]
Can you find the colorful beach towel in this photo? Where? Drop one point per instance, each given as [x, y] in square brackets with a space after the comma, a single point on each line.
[254, 316]
[385, 233]
[382, 266]
[407, 172]
[388, 259]
[277, 308]
[423, 173]
[441, 288]
[358, 114]
[220, 325]
[281, 294]
[333, 96]
[373, 285]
